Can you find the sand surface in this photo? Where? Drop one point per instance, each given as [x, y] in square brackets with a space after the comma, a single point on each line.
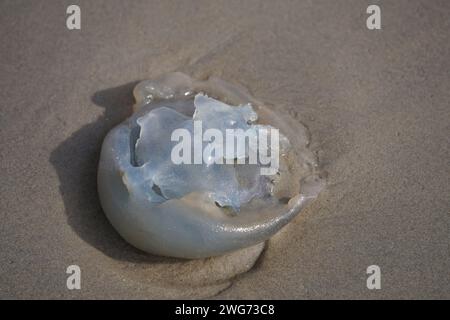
[377, 104]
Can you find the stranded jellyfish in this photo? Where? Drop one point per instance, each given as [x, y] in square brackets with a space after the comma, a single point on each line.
[202, 168]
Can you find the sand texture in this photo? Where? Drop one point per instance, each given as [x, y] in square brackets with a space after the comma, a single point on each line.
[377, 104]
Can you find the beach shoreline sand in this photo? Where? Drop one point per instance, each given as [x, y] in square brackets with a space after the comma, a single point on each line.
[377, 104]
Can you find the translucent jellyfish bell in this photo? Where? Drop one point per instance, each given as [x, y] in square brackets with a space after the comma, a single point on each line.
[194, 210]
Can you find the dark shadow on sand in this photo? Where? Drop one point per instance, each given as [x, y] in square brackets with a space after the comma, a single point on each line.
[76, 160]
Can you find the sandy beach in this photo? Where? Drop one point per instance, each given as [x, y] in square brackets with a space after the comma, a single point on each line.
[376, 102]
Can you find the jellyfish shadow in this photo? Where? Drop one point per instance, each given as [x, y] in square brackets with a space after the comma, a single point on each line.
[75, 161]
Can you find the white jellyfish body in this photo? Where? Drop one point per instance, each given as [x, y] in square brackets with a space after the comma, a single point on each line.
[199, 210]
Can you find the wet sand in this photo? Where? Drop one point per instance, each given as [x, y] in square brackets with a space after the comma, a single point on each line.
[377, 104]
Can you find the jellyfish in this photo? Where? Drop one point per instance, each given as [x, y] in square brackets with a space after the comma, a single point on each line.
[201, 168]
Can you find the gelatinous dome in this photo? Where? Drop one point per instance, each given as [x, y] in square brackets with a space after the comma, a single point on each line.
[183, 210]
